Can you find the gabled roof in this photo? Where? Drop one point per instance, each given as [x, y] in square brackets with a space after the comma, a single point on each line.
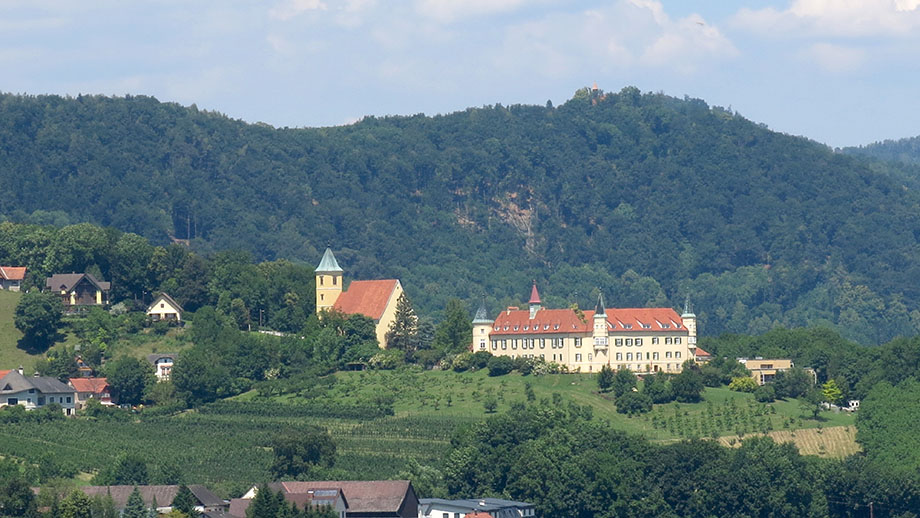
[66, 281]
[370, 496]
[12, 273]
[152, 358]
[17, 382]
[92, 385]
[167, 298]
[700, 352]
[550, 321]
[368, 298]
[328, 264]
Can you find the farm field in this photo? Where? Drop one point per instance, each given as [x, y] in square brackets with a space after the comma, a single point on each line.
[226, 444]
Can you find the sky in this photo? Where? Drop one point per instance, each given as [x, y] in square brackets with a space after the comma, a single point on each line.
[841, 72]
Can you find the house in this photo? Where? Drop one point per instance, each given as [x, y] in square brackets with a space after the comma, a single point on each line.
[165, 308]
[474, 508]
[333, 498]
[702, 356]
[162, 364]
[11, 277]
[34, 392]
[639, 339]
[79, 289]
[373, 299]
[359, 499]
[162, 495]
[764, 370]
[91, 388]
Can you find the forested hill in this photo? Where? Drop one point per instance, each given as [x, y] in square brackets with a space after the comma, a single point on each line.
[647, 197]
[906, 150]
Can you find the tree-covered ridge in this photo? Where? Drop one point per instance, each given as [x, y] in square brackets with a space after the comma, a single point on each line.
[906, 150]
[646, 197]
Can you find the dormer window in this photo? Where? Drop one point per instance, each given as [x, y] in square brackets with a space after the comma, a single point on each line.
[516, 327]
[556, 326]
[526, 328]
[545, 327]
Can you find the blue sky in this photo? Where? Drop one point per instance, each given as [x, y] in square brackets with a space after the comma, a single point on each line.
[842, 72]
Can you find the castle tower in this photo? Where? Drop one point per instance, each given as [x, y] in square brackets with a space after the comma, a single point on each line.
[600, 330]
[482, 324]
[534, 301]
[328, 282]
[689, 321]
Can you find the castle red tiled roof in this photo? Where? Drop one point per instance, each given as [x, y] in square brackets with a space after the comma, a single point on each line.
[92, 385]
[12, 273]
[550, 321]
[368, 298]
[534, 295]
[3, 373]
[700, 352]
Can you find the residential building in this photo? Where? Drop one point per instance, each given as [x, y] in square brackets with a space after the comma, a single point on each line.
[162, 364]
[639, 339]
[165, 308]
[34, 392]
[764, 370]
[702, 356]
[78, 289]
[355, 498]
[91, 388]
[373, 299]
[161, 495]
[11, 277]
[474, 508]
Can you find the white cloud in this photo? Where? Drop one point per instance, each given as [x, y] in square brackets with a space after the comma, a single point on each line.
[835, 58]
[288, 9]
[447, 11]
[835, 18]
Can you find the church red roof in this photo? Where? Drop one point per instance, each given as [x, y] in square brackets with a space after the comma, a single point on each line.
[368, 298]
[549, 321]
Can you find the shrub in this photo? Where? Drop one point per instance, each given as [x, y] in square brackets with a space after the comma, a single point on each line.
[500, 365]
[743, 384]
[462, 362]
[480, 360]
[633, 403]
[765, 394]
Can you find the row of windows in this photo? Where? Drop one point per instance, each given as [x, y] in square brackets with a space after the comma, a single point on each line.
[648, 356]
[554, 343]
[322, 280]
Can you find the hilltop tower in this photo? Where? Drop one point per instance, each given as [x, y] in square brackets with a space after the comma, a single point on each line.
[482, 326]
[328, 282]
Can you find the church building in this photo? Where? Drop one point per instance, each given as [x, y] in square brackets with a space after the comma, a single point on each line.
[639, 339]
[373, 299]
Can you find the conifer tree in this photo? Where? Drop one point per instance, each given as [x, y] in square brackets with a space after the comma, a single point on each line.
[185, 501]
[455, 333]
[135, 507]
[403, 332]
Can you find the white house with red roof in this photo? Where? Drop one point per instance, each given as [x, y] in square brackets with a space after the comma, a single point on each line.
[11, 277]
[373, 299]
[91, 388]
[639, 339]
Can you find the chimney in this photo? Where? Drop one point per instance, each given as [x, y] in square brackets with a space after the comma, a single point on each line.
[20, 370]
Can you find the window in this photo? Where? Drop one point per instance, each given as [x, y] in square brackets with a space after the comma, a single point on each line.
[677, 354]
[654, 356]
[542, 356]
[654, 340]
[542, 343]
[667, 354]
[600, 341]
[12, 401]
[618, 341]
[334, 280]
[667, 340]
[445, 515]
[619, 357]
[589, 356]
[321, 279]
[482, 344]
[638, 342]
[514, 343]
[578, 357]
[628, 356]
[504, 343]
[578, 342]
[51, 399]
[677, 339]
[68, 399]
[41, 400]
[629, 342]
[494, 344]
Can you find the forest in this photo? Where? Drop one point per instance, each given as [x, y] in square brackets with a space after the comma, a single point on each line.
[648, 198]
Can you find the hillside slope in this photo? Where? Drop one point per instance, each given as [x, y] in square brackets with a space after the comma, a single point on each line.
[647, 197]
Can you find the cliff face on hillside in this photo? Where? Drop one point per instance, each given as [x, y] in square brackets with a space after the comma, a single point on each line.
[645, 197]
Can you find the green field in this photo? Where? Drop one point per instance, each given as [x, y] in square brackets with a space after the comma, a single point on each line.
[10, 355]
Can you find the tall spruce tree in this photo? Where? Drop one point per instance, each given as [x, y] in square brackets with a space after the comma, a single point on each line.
[135, 507]
[185, 501]
[403, 332]
[455, 333]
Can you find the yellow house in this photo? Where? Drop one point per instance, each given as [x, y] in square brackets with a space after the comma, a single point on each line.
[373, 299]
[78, 289]
[639, 339]
[764, 370]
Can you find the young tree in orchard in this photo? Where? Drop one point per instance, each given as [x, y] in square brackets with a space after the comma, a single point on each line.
[403, 332]
[38, 317]
[455, 333]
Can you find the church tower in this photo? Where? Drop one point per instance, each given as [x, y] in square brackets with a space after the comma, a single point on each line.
[328, 282]
[600, 331]
[534, 301]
